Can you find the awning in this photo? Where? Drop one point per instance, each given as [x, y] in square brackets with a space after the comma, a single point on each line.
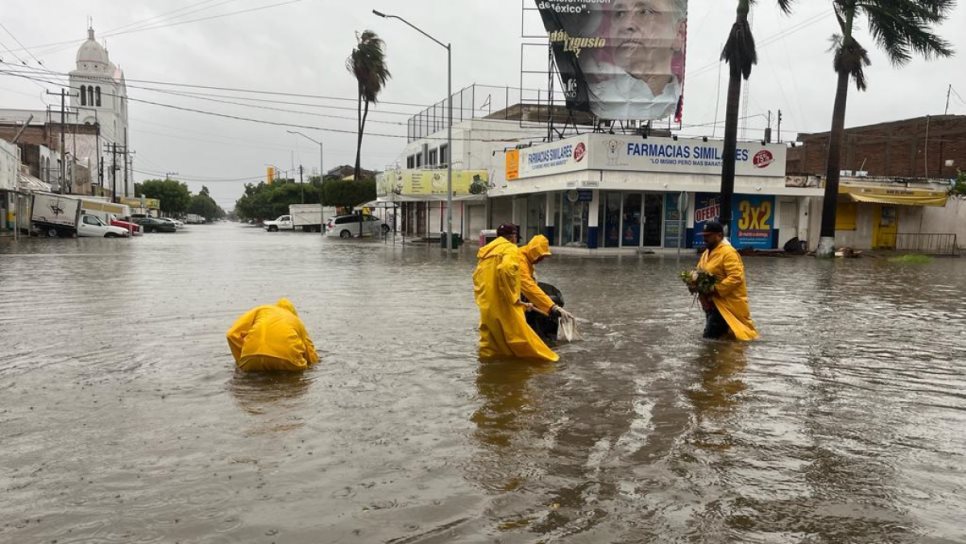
[30, 183]
[900, 196]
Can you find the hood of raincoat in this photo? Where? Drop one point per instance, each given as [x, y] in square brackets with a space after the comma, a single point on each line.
[495, 247]
[537, 247]
[286, 304]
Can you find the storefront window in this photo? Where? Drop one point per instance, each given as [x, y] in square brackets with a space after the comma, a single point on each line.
[672, 221]
[573, 220]
[610, 213]
[536, 215]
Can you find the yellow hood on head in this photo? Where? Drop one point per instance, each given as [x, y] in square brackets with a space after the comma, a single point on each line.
[538, 247]
[286, 304]
[496, 247]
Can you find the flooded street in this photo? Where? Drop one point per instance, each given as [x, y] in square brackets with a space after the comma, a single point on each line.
[122, 418]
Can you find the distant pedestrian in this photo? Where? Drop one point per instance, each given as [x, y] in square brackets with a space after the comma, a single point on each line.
[271, 337]
[496, 287]
[726, 307]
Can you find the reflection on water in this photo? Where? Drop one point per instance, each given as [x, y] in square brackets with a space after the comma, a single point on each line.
[123, 420]
[271, 397]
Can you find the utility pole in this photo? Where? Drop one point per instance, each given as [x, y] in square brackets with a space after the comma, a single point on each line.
[949, 93]
[301, 184]
[63, 144]
[779, 126]
[113, 172]
[768, 129]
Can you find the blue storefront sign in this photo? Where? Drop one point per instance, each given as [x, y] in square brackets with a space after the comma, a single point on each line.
[752, 219]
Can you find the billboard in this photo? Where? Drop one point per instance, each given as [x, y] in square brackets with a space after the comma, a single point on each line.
[431, 184]
[558, 157]
[752, 219]
[684, 156]
[619, 59]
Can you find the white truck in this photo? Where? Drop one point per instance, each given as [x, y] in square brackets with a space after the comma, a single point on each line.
[308, 217]
[61, 215]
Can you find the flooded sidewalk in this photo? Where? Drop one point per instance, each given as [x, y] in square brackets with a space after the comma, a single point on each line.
[122, 418]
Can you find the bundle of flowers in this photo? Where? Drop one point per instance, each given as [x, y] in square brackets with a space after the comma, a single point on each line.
[699, 281]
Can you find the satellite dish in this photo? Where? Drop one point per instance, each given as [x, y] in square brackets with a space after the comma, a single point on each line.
[572, 196]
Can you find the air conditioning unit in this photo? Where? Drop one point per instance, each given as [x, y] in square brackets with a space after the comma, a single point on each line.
[861, 174]
[845, 173]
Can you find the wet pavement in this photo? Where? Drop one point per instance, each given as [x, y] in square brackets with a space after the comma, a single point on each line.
[122, 419]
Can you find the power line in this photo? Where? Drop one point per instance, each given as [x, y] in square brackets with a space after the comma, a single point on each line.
[169, 15]
[123, 32]
[250, 91]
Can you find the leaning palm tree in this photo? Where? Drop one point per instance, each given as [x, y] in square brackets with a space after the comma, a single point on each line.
[900, 28]
[740, 54]
[367, 63]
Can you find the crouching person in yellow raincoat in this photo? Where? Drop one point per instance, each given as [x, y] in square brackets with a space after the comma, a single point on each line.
[728, 310]
[270, 338]
[496, 286]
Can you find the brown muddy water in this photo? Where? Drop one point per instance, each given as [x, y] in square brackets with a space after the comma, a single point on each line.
[123, 420]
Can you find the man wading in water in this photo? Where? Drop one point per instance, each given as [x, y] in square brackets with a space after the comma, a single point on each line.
[726, 307]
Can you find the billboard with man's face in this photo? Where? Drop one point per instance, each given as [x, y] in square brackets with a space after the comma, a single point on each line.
[619, 59]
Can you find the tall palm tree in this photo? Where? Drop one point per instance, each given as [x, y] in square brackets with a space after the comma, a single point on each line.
[367, 63]
[740, 54]
[900, 28]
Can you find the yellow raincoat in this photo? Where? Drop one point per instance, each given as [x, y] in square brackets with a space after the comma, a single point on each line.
[271, 338]
[730, 292]
[538, 247]
[503, 327]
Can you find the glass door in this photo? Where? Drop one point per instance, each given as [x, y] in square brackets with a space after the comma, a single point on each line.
[653, 219]
[631, 229]
[611, 211]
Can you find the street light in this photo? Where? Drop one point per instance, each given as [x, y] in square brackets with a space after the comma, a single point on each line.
[449, 124]
[321, 177]
[321, 170]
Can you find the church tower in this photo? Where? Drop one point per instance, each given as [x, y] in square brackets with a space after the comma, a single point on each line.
[99, 96]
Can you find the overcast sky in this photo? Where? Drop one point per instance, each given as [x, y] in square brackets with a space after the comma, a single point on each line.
[300, 47]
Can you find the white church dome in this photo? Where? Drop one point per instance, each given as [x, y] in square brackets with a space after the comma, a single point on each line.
[92, 53]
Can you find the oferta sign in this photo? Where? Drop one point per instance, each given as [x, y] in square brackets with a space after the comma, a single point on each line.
[619, 59]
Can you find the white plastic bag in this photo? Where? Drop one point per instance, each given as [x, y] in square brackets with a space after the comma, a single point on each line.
[567, 330]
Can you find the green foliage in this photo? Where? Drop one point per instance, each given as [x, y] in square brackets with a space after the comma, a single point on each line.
[173, 194]
[348, 194]
[268, 201]
[202, 204]
[959, 188]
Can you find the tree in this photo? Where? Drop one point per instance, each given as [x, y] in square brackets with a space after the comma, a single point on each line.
[367, 63]
[900, 28]
[202, 204]
[173, 194]
[348, 193]
[268, 201]
[740, 54]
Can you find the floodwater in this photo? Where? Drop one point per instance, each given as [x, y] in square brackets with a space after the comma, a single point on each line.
[122, 419]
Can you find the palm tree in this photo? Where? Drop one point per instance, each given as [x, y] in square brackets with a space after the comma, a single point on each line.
[740, 54]
[900, 28]
[367, 63]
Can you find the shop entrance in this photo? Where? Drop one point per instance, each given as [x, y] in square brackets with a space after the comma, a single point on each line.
[653, 219]
[886, 228]
[631, 220]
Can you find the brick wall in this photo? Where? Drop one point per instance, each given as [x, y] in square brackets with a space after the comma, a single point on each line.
[910, 148]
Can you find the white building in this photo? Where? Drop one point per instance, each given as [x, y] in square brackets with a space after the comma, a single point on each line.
[99, 96]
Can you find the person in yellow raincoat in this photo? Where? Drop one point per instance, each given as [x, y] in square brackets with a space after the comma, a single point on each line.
[271, 337]
[536, 250]
[728, 310]
[496, 286]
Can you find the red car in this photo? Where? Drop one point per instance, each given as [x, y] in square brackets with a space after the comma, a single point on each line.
[133, 228]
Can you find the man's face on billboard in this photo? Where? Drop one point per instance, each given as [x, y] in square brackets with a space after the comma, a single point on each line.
[648, 33]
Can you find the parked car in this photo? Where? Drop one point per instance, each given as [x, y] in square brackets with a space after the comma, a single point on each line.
[152, 224]
[177, 224]
[347, 226]
[92, 227]
[129, 226]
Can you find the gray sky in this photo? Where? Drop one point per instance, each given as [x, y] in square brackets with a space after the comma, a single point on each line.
[300, 47]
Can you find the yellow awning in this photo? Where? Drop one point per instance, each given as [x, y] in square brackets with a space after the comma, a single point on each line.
[895, 196]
